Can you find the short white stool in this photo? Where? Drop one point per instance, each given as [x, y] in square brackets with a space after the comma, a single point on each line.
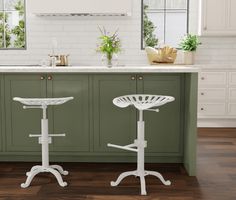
[142, 103]
[44, 138]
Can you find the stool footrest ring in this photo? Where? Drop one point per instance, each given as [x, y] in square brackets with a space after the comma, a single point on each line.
[127, 147]
[29, 107]
[49, 135]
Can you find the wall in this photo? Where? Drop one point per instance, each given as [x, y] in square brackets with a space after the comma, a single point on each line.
[214, 50]
[78, 37]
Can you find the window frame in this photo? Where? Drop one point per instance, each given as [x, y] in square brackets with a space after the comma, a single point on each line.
[25, 48]
[142, 28]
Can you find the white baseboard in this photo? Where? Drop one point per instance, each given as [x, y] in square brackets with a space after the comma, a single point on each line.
[214, 123]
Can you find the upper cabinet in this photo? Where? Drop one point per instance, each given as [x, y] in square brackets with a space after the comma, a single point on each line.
[232, 15]
[80, 7]
[217, 18]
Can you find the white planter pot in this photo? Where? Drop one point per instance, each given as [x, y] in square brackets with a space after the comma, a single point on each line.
[189, 57]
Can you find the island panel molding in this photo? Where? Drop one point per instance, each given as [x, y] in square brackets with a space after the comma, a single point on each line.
[91, 120]
[156, 125]
[71, 118]
[19, 122]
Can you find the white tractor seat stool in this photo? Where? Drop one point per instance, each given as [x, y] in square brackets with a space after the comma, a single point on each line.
[44, 138]
[142, 103]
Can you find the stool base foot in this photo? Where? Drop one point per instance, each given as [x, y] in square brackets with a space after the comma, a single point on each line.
[59, 169]
[142, 179]
[56, 170]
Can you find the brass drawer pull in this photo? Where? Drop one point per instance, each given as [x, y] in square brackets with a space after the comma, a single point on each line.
[140, 78]
[49, 78]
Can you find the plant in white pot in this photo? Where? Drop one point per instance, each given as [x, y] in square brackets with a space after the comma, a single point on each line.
[189, 46]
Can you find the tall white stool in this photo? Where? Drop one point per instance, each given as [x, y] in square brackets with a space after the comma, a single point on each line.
[142, 103]
[44, 138]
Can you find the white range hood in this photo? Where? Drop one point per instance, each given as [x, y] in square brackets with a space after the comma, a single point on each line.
[80, 7]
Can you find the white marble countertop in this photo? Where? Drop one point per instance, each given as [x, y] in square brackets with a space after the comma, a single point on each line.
[218, 67]
[102, 69]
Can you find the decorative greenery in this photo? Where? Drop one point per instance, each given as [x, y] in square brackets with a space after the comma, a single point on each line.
[150, 38]
[4, 27]
[13, 36]
[109, 44]
[20, 7]
[190, 43]
[19, 31]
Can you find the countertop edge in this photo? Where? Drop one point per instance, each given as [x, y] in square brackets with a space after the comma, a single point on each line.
[101, 69]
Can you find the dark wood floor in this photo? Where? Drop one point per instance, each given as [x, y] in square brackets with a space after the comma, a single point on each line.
[216, 177]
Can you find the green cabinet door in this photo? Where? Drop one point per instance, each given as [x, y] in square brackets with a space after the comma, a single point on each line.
[72, 117]
[112, 124]
[19, 122]
[163, 130]
[1, 110]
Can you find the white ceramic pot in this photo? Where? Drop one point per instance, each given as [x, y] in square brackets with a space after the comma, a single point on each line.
[189, 57]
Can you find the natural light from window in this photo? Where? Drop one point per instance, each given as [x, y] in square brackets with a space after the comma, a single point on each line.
[170, 20]
[12, 24]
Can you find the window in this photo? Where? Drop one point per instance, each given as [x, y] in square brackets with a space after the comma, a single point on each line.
[12, 24]
[164, 22]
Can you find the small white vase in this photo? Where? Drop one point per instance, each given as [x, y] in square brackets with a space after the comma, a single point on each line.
[189, 57]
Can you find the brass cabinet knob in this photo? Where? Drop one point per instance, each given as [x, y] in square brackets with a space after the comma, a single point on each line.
[133, 78]
[42, 78]
[140, 78]
[49, 77]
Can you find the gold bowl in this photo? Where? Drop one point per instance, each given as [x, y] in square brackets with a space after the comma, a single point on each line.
[163, 55]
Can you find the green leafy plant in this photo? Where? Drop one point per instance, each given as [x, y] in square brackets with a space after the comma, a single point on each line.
[19, 31]
[4, 27]
[190, 43]
[13, 37]
[150, 38]
[109, 44]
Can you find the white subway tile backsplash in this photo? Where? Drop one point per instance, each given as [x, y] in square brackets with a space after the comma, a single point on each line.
[78, 36]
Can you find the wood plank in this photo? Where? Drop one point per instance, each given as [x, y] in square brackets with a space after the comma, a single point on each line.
[215, 180]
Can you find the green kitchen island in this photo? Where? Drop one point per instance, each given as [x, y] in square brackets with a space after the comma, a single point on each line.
[91, 121]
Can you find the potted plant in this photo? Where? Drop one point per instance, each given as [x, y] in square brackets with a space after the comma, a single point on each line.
[189, 45]
[110, 45]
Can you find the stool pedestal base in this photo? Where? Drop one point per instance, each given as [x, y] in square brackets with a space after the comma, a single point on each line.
[138, 146]
[142, 179]
[56, 170]
[44, 138]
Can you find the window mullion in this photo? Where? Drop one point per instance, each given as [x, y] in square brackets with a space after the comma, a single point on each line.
[4, 25]
[164, 21]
